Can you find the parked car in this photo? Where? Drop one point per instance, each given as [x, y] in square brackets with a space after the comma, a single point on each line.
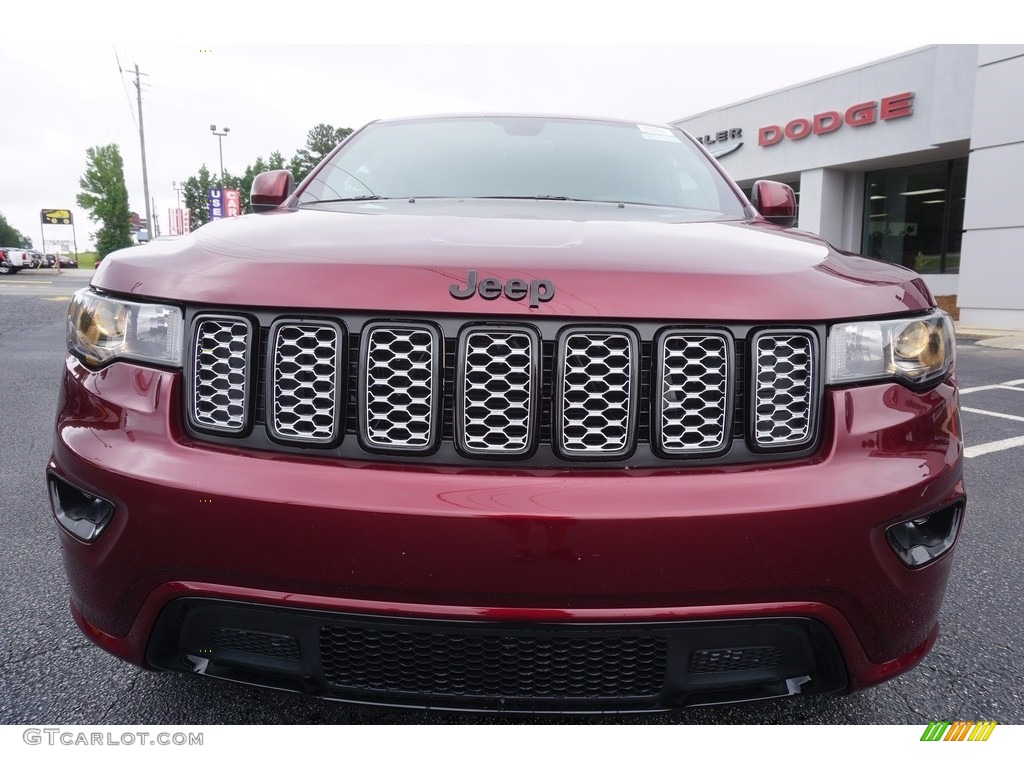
[510, 413]
[67, 261]
[14, 260]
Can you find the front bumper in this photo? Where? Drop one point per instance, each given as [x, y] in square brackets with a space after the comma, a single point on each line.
[534, 550]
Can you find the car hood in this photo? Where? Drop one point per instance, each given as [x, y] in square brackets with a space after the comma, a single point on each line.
[604, 260]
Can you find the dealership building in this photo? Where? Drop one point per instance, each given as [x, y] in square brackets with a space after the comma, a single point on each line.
[917, 159]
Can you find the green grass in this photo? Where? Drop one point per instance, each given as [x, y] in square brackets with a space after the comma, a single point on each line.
[87, 260]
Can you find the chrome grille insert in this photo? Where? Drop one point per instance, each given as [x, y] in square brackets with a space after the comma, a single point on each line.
[784, 388]
[694, 403]
[596, 383]
[400, 379]
[218, 397]
[496, 399]
[305, 381]
[489, 391]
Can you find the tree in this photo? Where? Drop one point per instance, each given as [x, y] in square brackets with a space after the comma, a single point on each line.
[11, 237]
[105, 196]
[319, 141]
[245, 183]
[275, 162]
[195, 197]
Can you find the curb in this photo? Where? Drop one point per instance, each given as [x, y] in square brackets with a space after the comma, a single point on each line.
[992, 337]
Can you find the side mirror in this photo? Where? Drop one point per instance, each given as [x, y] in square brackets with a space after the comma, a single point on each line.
[775, 201]
[270, 189]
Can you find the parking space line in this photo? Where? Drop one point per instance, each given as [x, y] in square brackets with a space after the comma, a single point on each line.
[1005, 385]
[999, 445]
[993, 413]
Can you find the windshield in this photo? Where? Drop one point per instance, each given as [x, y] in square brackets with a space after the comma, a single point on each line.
[524, 157]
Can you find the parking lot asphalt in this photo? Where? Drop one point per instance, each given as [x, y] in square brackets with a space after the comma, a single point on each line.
[50, 674]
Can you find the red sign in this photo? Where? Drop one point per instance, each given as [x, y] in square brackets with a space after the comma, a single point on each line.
[180, 220]
[865, 113]
[232, 203]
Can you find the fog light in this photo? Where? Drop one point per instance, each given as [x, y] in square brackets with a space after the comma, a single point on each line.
[81, 514]
[919, 541]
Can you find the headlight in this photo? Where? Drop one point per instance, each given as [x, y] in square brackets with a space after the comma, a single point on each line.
[101, 329]
[915, 350]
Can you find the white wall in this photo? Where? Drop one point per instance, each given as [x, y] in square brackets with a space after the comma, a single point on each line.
[962, 94]
[940, 77]
[992, 260]
[822, 191]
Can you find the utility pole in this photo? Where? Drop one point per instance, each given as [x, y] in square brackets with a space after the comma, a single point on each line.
[142, 142]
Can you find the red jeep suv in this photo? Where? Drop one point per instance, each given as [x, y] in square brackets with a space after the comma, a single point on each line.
[515, 413]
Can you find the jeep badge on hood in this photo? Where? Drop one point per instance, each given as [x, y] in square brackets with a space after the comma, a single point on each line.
[515, 289]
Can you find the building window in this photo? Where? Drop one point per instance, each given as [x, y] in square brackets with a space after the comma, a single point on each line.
[915, 216]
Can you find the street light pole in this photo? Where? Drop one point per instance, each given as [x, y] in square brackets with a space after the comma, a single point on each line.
[220, 143]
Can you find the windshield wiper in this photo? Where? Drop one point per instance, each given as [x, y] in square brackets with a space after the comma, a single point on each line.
[526, 197]
[356, 199]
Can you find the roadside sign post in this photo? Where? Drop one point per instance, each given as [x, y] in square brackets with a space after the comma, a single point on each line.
[58, 216]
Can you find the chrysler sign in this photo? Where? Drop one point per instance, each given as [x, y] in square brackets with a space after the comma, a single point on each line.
[864, 113]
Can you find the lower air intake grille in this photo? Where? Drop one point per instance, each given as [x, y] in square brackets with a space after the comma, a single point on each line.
[520, 666]
[734, 659]
[260, 643]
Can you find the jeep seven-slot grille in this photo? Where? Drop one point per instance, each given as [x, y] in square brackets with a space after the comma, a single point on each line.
[497, 386]
[784, 388]
[218, 396]
[305, 381]
[398, 386]
[490, 391]
[596, 385]
[693, 404]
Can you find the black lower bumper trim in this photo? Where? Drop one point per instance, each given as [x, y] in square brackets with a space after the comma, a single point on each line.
[498, 666]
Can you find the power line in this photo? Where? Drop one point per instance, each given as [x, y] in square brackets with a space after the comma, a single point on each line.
[125, 86]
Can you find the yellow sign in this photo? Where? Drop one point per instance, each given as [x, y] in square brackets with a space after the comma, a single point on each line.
[55, 216]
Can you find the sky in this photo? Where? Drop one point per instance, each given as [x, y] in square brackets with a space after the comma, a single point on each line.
[61, 95]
